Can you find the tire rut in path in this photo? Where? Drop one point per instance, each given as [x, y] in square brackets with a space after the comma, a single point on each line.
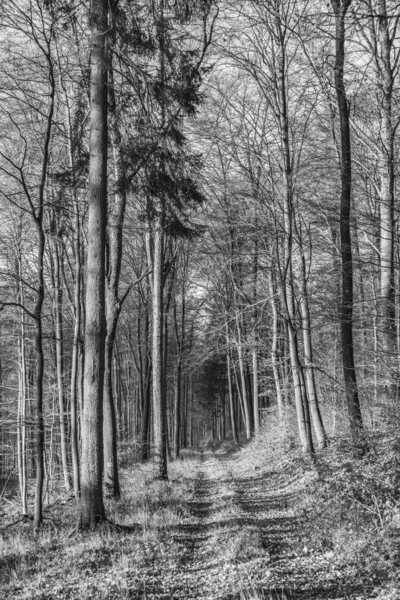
[199, 565]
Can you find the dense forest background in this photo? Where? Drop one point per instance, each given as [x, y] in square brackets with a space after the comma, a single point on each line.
[199, 232]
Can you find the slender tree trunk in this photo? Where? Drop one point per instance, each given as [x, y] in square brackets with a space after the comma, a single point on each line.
[177, 408]
[75, 359]
[340, 8]
[22, 471]
[274, 349]
[240, 400]
[77, 307]
[160, 435]
[243, 379]
[58, 304]
[164, 353]
[230, 392]
[301, 399]
[180, 341]
[37, 313]
[308, 358]
[256, 406]
[92, 506]
[145, 422]
[40, 473]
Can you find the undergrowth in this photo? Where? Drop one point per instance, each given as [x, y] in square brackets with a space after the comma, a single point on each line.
[353, 511]
[226, 507]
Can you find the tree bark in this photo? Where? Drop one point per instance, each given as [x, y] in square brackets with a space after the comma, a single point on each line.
[91, 505]
[243, 378]
[386, 172]
[37, 313]
[58, 302]
[116, 216]
[308, 357]
[230, 390]
[180, 342]
[160, 434]
[21, 419]
[274, 348]
[340, 8]
[301, 399]
[256, 404]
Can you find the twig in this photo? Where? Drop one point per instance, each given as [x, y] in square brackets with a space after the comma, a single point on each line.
[6, 483]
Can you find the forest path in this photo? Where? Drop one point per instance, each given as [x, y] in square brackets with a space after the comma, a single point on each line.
[242, 539]
[229, 525]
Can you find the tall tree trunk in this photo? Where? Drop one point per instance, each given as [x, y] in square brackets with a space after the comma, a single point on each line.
[308, 357]
[75, 357]
[386, 172]
[230, 391]
[146, 401]
[37, 215]
[160, 434]
[274, 348]
[40, 471]
[58, 303]
[239, 346]
[76, 303]
[116, 215]
[92, 506]
[180, 341]
[256, 406]
[21, 424]
[340, 8]
[301, 398]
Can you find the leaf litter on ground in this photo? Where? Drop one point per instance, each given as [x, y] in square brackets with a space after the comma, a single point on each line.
[231, 524]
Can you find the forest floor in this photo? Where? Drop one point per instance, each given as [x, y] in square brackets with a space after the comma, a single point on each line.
[230, 524]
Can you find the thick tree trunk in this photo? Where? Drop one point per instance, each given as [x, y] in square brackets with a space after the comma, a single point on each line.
[114, 246]
[340, 8]
[386, 172]
[91, 505]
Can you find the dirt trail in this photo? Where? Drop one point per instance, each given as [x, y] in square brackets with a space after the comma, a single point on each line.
[238, 521]
[234, 533]
[242, 540]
